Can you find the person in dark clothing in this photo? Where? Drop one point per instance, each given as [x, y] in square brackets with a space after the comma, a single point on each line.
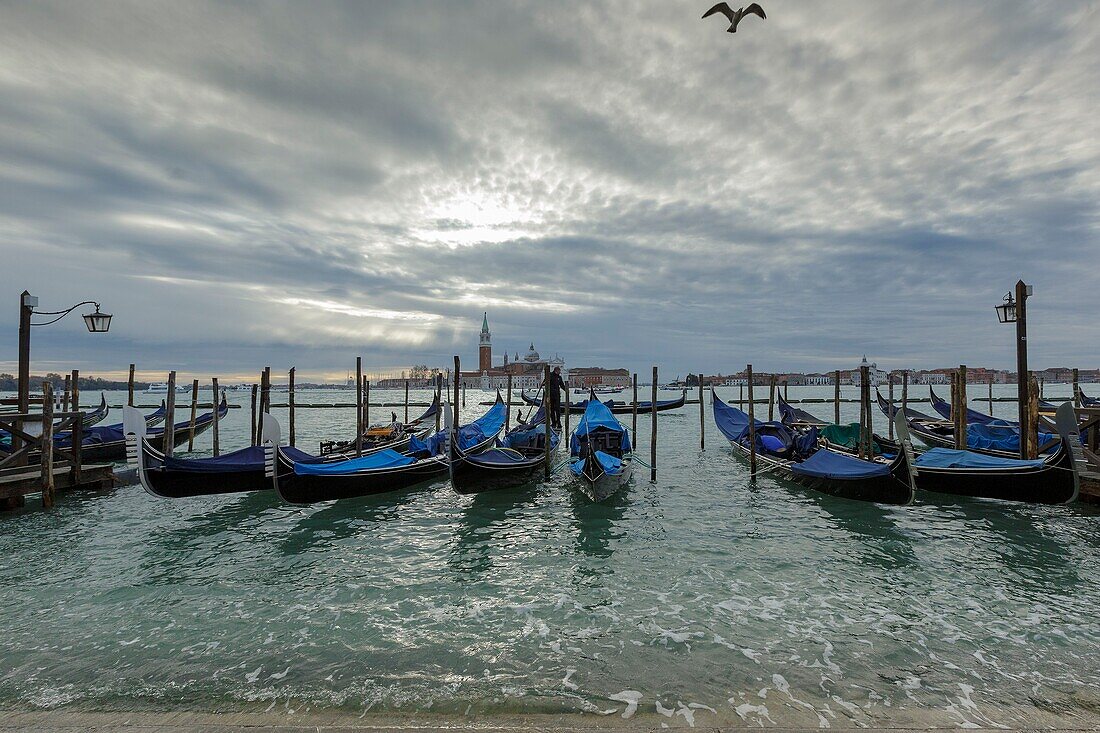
[553, 391]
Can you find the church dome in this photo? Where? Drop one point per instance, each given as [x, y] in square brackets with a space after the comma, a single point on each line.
[532, 355]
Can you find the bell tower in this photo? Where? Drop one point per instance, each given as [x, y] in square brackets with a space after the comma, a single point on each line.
[485, 347]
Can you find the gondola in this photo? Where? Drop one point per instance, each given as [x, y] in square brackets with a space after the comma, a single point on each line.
[998, 439]
[974, 417]
[108, 442]
[518, 459]
[616, 407]
[168, 477]
[798, 457]
[1050, 480]
[307, 482]
[393, 436]
[843, 438]
[1087, 401]
[602, 456]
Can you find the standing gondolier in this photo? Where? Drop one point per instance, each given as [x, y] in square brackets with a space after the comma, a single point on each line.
[553, 394]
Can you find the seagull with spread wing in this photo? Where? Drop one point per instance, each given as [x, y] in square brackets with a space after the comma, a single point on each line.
[735, 16]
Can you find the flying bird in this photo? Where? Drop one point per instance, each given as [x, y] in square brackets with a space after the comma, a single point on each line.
[735, 16]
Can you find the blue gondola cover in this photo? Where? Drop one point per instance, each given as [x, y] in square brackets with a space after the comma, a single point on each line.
[382, 459]
[948, 458]
[830, 465]
[609, 464]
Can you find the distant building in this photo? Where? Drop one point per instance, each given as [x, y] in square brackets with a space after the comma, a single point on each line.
[875, 375]
[598, 376]
[526, 372]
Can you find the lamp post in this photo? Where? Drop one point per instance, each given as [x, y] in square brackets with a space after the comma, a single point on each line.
[96, 322]
[1014, 310]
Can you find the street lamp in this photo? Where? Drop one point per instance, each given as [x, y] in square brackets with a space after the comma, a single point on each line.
[96, 322]
[1014, 310]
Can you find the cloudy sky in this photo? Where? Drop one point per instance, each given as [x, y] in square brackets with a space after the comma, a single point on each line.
[245, 184]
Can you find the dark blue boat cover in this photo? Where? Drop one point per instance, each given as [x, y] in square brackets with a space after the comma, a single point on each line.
[731, 422]
[609, 464]
[238, 461]
[382, 459]
[999, 435]
[529, 437]
[469, 435]
[830, 465]
[500, 457]
[597, 416]
[948, 458]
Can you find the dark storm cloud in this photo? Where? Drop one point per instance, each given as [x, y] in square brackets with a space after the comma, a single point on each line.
[285, 182]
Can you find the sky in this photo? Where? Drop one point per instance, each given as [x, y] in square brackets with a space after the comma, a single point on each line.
[263, 183]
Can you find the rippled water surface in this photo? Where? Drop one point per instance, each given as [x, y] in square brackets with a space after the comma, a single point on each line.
[701, 595]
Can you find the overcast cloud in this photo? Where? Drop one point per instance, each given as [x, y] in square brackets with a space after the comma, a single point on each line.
[300, 183]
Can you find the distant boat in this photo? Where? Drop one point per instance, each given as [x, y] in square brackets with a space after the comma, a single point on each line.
[597, 390]
[162, 388]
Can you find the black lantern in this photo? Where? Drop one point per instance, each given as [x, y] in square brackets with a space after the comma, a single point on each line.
[97, 322]
[1006, 311]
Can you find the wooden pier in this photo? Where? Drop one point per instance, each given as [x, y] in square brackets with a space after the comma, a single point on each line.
[36, 464]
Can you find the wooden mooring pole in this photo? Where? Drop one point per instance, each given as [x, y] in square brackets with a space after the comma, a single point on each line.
[1032, 419]
[366, 405]
[1076, 388]
[406, 421]
[961, 435]
[194, 415]
[170, 415]
[65, 394]
[214, 428]
[508, 405]
[254, 388]
[771, 397]
[991, 396]
[752, 423]
[75, 404]
[702, 417]
[546, 422]
[904, 394]
[864, 376]
[130, 387]
[836, 396]
[634, 413]
[47, 446]
[653, 428]
[290, 403]
[358, 405]
[890, 391]
[565, 434]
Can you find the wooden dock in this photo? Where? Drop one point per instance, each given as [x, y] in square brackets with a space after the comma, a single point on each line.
[15, 486]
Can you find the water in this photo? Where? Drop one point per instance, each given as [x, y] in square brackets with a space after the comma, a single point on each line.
[702, 596]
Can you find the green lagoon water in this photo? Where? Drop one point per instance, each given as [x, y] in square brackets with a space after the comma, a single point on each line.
[702, 596]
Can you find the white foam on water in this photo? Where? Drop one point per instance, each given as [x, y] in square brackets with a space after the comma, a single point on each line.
[631, 698]
[253, 675]
[279, 675]
[565, 680]
[667, 712]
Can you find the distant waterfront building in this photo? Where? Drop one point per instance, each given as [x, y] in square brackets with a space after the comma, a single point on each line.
[526, 372]
[819, 380]
[875, 375]
[598, 376]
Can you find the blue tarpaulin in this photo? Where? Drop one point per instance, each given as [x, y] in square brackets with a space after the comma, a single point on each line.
[609, 464]
[827, 464]
[998, 435]
[598, 416]
[473, 434]
[382, 459]
[948, 458]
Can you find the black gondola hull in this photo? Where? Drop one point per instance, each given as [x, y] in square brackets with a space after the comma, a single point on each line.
[893, 488]
[1052, 483]
[599, 486]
